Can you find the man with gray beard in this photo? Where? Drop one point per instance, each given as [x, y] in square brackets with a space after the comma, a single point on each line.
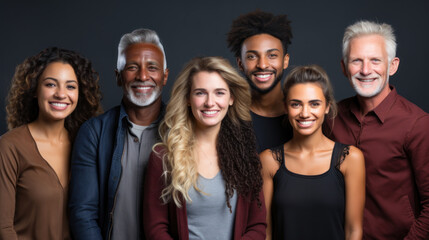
[392, 133]
[111, 151]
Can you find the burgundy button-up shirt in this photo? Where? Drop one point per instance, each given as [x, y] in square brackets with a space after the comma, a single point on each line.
[394, 139]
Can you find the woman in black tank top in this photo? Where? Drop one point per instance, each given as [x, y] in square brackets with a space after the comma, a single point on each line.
[314, 188]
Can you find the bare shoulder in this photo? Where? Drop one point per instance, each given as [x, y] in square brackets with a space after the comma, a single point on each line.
[269, 164]
[354, 160]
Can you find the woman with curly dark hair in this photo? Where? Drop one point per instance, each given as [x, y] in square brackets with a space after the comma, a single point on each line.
[203, 180]
[51, 95]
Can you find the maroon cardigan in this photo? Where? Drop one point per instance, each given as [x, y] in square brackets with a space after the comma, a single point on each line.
[167, 221]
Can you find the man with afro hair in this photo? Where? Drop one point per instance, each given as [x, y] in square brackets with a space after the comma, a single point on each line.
[260, 41]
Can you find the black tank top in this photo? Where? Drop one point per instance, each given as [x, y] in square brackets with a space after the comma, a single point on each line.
[309, 207]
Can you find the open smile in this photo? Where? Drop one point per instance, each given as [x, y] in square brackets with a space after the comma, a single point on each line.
[210, 113]
[305, 123]
[58, 105]
[263, 76]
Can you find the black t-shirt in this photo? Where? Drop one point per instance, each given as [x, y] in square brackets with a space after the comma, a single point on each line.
[270, 131]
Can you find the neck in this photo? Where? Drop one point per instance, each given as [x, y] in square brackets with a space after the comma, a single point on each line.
[309, 143]
[48, 130]
[208, 136]
[143, 116]
[269, 104]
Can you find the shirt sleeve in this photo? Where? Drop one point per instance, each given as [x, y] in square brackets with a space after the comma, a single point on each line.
[256, 221]
[8, 179]
[417, 149]
[84, 192]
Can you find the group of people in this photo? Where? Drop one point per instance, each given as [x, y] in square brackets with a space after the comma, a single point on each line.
[231, 156]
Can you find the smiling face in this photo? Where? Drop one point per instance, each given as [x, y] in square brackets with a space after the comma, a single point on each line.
[57, 91]
[263, 61]
[368, 67]
[306, 108]
[209, 99]
[143, 76]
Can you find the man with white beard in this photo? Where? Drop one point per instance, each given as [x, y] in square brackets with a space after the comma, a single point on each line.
[392, 132]
[111, 151]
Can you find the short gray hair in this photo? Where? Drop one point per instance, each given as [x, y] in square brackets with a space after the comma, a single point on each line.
[361, 28]
[142, 35]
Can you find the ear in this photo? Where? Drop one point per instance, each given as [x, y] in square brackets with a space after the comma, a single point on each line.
[328, 108]
[165, 76]
[240, 64]
[343, 68]
[118, 78]
[394, 64]
[286, 61]
[231, 100]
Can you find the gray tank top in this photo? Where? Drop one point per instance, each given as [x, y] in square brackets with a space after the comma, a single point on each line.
[208, 215]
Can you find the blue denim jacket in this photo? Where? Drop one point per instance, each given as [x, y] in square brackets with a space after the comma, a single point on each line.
[95, 173]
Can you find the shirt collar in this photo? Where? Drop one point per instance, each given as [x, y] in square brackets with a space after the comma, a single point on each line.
[382, 110]
[123, 114]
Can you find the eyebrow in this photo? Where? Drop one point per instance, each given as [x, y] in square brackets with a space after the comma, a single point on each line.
[216, 89]
[269, 50]
[312, 100]
[56, 80]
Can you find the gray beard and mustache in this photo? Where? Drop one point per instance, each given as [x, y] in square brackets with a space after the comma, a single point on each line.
[142, 99]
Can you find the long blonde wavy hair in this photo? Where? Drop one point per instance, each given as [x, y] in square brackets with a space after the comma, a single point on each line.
[177, 128]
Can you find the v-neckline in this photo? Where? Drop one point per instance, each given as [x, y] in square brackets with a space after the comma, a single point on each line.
[44, 160]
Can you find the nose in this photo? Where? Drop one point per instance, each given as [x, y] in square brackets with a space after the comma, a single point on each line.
[209, 101]
[366, 67]
[60, 92]
[142, 74]
[305, 112]
[262, 63]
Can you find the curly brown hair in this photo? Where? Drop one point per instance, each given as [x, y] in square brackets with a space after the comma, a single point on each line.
[22, 107]
[239, 160]
[255, 23]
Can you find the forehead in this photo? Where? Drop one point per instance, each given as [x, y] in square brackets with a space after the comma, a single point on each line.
[144, 50]
[206, 79]
[368, 44]
[60, 69]
[306, 92]
[261, 43]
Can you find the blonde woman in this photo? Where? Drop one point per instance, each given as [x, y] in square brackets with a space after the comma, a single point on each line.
[202, 181]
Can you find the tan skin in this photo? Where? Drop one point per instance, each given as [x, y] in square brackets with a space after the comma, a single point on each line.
[261, 54]
[57, 94]
[309, 153]
[145, 64]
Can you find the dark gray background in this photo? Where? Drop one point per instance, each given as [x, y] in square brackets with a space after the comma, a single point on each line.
[198, 28]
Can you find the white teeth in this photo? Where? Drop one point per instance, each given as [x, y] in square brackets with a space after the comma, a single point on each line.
[144, 88]
[59, 104]
[306, 122]
[263, 76]
[209, 112]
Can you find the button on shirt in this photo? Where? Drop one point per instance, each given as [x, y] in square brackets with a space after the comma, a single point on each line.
[127, 216]
[394, 139]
